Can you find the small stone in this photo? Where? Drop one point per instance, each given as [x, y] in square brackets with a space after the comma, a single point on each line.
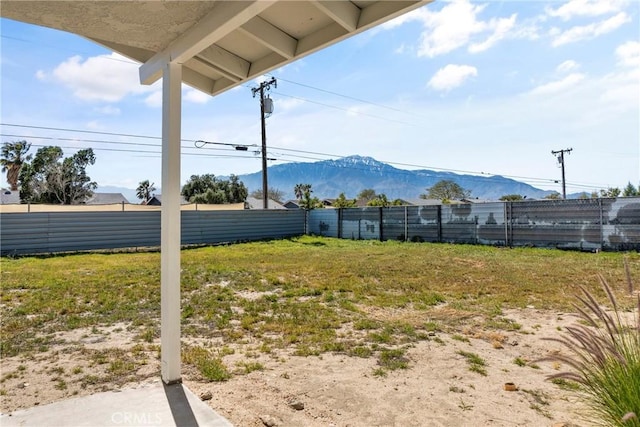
[268, 420]
[514, 343]
[296, 404]
[206, 396]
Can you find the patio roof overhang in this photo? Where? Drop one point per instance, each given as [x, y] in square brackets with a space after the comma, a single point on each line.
[211, 46]
[220, 44]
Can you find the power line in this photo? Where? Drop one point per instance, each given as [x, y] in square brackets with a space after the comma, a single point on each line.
[364, 101]
[330, 156]
[360, 113]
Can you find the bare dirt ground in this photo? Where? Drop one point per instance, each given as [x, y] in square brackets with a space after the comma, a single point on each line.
[437, 388]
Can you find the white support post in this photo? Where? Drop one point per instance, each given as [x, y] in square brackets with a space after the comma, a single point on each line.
[170, 223]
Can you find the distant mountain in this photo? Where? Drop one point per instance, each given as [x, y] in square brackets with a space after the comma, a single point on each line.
[350, 175]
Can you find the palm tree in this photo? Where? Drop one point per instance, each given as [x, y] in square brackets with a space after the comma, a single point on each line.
[145, 190]
[12, 158]
[300, 189]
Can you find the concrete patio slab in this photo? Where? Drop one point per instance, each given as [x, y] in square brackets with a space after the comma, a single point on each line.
[156, 404]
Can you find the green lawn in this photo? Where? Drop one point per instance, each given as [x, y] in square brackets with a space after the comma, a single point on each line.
[302, 293]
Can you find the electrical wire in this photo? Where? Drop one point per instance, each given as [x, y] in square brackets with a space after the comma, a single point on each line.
[327, 156]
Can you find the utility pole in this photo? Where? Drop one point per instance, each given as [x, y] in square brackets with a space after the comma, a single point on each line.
[560, 154]
[265, 108]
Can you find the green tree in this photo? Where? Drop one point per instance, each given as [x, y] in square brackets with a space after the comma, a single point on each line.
[14, 155]
[300, 189]
[51, 178]
[308, 201]
[237, 192]
[273, 194]
[630, 190]
[367, 195]
[343, 202]
[379, 200]
[446, 190]
[145, 190]
[610, 192]
[208, 189]
[553, 196]
[511, 197]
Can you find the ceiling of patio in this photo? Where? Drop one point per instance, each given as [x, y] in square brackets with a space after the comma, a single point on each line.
[221, 44]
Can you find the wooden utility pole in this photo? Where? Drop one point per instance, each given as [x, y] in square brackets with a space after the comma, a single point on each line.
[264, 86]
[560, 154]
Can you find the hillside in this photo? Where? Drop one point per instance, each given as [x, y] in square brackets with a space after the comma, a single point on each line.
[352, 174]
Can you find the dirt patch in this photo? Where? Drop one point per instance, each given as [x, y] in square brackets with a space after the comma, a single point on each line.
[437, 388]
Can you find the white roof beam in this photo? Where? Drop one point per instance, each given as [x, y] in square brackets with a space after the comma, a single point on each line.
[271, 37]
[197, 80]
[221, 85]
[225, 17]
[232, 65]
[265, 64]
[345, 13]
[321, 38]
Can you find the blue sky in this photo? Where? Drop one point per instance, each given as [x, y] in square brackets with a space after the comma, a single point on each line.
[476, 87]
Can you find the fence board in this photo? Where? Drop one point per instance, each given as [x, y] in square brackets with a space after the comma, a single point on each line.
[35, 233]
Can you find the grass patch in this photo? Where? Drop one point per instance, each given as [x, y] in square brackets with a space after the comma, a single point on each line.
[392, 359]
[476, 363]
[248, 367]
[210, 367]
[520, 361]
[310, 295]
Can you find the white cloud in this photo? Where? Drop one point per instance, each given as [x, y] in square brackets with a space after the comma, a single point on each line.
[629, 54]
[451, 76]
[414, 15]
[567, 66]
[106, 78]
[196, 96]
[586, 32]
[558, 85]
[585, 8]
[108, 110]
[94, 125]
[456, 25]
[154, 100]
[287, 104]
[450, 28]
[501, 28]
[41, 75]
[621, 90]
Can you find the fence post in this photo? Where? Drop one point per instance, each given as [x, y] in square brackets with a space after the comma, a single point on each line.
[340, 223]
[510, 235]
[406, 223]
[601, 224]
[439, 222]
[380, 227]
[122, 206]
[306, 221]
[506, 224]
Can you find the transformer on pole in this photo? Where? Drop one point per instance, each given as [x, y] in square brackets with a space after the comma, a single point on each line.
[266, 108]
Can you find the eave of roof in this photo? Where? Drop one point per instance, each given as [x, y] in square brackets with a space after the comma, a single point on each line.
[220, 44]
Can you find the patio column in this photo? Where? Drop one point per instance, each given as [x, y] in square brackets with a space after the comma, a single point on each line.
[170, 223]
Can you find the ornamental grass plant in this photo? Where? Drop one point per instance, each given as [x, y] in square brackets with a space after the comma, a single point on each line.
[605, 356]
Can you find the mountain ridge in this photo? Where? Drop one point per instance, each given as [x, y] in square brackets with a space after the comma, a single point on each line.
[352, 174]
